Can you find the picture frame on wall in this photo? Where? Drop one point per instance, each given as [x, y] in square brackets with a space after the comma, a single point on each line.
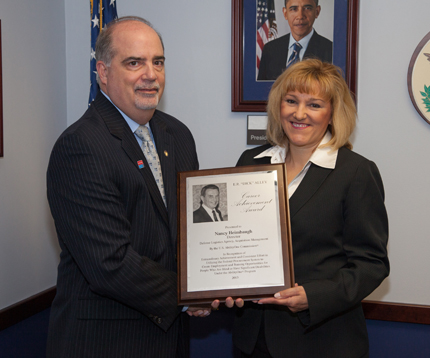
[250, 94]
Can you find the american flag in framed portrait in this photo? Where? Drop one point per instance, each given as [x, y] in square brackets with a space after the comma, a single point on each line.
[267, 28]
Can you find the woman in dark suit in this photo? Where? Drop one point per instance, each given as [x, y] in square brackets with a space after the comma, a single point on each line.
[338, 220]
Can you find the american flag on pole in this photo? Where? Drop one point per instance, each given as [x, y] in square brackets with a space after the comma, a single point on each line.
[267, 29]
[102, 12]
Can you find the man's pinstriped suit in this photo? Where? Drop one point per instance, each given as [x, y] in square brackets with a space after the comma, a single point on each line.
[116, 290]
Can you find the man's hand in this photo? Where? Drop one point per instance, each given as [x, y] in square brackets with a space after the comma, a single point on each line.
[198, 311]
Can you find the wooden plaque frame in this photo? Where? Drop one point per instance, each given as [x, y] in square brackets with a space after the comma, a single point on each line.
[186, 297]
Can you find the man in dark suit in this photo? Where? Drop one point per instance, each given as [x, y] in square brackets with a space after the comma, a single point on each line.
[115, 210]
[208, 210]
[302, 42]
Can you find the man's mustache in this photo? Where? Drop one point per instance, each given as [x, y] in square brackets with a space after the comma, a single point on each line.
[150, 86]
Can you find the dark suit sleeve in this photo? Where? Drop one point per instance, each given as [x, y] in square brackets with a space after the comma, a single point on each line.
[243, 160]
[201, 216]
[365, 236]
[89, 213]
[273, 58]
[262, 70]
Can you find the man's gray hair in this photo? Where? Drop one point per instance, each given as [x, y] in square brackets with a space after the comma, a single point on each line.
[104, 49]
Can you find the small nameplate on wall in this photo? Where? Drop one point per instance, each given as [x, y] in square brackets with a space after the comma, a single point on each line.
[256, 133]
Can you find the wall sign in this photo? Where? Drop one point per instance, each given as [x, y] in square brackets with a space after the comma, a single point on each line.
[419, 78]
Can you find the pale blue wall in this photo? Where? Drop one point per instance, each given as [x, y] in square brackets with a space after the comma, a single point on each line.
[34, 114]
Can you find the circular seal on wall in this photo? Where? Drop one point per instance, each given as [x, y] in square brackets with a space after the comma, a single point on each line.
[419, 78]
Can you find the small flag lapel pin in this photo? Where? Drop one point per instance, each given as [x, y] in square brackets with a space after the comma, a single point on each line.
[140, 164]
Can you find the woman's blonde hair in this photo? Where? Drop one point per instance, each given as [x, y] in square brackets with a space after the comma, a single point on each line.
[312, 76]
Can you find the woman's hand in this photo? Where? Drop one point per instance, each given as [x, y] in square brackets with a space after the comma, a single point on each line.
[294, 298]
[230, 302]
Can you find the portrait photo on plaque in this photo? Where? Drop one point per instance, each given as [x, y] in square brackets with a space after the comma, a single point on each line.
[210, 203]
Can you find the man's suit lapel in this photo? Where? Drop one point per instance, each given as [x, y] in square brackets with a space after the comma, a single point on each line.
[283, 52]
[119, 128]
[314, 46]
[204, 213]
[310, 184]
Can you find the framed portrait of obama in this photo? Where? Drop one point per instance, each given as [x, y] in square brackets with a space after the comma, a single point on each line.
[270, 35]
